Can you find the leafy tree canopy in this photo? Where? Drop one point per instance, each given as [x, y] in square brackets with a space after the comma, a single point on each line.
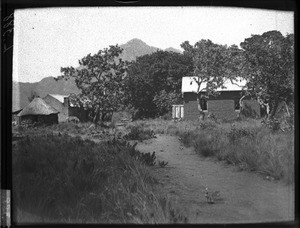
[269, 68]
[100, 78]
[151, 76]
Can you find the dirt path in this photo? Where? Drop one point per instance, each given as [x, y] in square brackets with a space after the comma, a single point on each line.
[246, 197]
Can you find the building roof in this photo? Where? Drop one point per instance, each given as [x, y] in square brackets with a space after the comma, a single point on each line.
[59, 97]
[38, 107]
[189, 85]
[17, 111]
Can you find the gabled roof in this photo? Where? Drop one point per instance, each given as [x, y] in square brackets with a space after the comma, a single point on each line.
[59, 97]
[38, 107]
[190, 85]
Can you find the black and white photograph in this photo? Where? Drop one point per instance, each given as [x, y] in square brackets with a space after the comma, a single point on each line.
[153, 115]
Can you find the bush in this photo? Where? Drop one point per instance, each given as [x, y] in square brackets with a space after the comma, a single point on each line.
[208, 124]
[273, 124]
[167, 116]
[139, 132]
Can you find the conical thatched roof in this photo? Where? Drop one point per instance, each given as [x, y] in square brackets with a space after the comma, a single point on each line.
[38, 107]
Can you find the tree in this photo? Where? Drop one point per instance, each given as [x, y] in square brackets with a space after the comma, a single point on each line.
[213, 64]
[164, 101]
[269, 68]
[33, 94]
[100, 78]
[154, 82]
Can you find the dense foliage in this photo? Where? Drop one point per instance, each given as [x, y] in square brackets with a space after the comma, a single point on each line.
[269, 68]
[100, 78]
[154, 82]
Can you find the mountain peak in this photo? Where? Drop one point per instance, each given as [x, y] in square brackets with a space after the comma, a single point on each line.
[135, 48]
[136, 40]
[172, 49]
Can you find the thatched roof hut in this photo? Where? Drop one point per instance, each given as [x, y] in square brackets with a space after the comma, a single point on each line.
[39, 111]
[37, 107]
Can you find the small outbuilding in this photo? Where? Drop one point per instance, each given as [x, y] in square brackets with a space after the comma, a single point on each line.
[224, 106]
[65, 107]
[38, 111]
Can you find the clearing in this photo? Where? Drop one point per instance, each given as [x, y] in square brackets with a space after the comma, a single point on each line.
[245, 196]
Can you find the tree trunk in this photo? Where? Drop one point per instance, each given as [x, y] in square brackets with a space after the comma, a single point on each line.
[273, 111]
[201, 112]
[265, 105]
[241, 105]
[267, 110]
[96, 117]
[287, 109]
[102, 114]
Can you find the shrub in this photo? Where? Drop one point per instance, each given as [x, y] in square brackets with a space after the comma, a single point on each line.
[273, 124]
[139, 132]
[208, 124]
[167, 116]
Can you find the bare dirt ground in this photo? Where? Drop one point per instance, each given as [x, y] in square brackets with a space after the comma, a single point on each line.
[245, 197]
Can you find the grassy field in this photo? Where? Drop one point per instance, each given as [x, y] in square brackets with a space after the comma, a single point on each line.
[63, 179]
[248, 144]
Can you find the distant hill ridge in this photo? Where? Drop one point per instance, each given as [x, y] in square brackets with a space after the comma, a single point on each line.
[22, 90]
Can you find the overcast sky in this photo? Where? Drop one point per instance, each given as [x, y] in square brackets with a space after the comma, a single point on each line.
[50, 38]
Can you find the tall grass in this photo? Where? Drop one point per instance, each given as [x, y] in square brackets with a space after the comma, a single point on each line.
[62, 179]
[245, 144]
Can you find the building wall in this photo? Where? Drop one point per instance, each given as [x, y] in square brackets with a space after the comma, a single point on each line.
[63, 110]
[226, 95]
[222, 106]
[222, 109]
[41, 119]
[190, 106]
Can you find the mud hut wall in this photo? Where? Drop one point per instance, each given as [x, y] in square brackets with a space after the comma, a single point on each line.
[190, 106]
[48, 119]
[62, 108]
[222, 109]
[42, 119]
[222, 106]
